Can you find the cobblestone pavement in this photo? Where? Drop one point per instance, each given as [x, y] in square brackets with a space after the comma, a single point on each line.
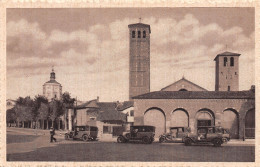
[23, 145]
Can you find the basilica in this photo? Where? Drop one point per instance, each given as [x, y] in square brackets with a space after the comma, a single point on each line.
[186, 104]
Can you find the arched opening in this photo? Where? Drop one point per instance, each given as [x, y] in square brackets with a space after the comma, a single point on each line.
[133, 34]
[225, 61]
[250, 124]
[232, 61]
[155, 117]
[231, 122]
[139, 34]
[205, 117]
[144, 34]
[179, 118]
[183, 90]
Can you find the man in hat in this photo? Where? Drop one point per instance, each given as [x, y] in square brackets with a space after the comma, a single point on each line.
[52, 133]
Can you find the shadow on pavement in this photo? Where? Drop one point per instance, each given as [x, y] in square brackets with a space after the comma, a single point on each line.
[136, 152]
[20, 138]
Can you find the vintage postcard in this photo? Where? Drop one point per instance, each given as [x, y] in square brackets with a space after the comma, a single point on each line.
[129, 83]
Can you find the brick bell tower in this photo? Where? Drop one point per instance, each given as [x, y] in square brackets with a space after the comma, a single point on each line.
[139, 59]
[227, 72]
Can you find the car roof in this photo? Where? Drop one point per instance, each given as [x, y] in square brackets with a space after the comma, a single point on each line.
[136, 126]
[85, 126]
[209, 127]
[178, 127]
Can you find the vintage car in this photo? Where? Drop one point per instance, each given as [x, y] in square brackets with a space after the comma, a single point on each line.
[138, 133]
[208, 134]
[84, 133]
[176, 134]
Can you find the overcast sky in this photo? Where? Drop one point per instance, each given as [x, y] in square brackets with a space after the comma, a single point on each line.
[89, 48]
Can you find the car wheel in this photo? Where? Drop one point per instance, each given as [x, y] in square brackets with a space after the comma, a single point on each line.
[146, 140]
[187, 142]
[217, 142]
[162, 139]
[120, 139]
[67, 137]
[85, 137]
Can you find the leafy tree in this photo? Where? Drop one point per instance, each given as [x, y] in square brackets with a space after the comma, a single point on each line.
[23, 109]
[10, 115]
[67, 100]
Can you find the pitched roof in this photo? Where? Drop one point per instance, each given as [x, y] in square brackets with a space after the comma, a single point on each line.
[140, 25]
[125, 105]
[183, 79]
[109, 113]
[227, 54]
[53, 81]
[88, 104]
[197, 95]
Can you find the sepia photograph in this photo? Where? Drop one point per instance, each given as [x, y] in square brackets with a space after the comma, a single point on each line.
[137, 84]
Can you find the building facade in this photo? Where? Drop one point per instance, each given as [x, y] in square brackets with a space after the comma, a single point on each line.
[139, 59]
[52, 89]
[186, 104]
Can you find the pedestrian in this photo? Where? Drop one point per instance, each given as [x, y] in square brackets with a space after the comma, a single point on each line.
[52, 133]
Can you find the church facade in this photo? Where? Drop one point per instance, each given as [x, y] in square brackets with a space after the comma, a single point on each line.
[186, 104]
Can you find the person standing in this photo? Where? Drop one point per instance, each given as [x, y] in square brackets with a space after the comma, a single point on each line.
[52, 133]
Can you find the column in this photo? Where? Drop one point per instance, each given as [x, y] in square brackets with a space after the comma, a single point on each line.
[69, 118]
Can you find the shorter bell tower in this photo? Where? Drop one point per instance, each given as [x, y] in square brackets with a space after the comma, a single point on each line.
[227, 72]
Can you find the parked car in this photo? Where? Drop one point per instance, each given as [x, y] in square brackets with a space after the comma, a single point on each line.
[208, 134]
[84, 133]
[138, 133]
[176, 134]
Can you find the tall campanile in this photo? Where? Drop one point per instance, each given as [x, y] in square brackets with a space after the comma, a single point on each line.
[139, 59]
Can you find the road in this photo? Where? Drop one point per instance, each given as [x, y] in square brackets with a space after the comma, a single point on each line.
[26, 146]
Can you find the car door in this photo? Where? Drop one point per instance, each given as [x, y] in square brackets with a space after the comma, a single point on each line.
[210, 134]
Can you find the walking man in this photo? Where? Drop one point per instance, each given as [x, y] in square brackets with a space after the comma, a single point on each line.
[52, 133]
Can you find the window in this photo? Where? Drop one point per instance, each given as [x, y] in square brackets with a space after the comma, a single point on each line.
[225, 61]
[144, 34]
[105, 129]
[235, 73]
[133, 34]
[132, 113]
[228, 88]
[232, 61]
[139, 34]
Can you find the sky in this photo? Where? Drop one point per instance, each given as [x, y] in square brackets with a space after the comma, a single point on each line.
[89, 48]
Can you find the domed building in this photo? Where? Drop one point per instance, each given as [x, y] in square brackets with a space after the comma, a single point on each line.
[52, 89]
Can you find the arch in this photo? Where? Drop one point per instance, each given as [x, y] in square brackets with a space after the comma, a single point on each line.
[179, 118]
[183, 90]
[155, 117]
[133, 34]
[205, 117]
[231, 61]
[231, 122]
[225, 61]
[250, 124]
[139, 34]
[144, 34]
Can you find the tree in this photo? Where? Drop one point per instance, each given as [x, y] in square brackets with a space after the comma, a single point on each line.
[23, 110]
[67, 100]
[10, 116]
[38, 114]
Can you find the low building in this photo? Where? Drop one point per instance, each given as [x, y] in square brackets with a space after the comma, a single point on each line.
[111, 118]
